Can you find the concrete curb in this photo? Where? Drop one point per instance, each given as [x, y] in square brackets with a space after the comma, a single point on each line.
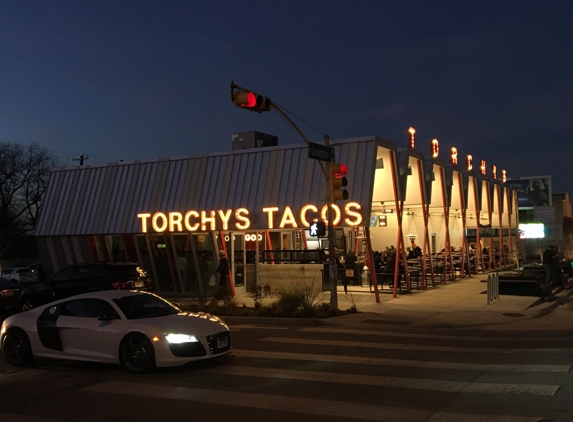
[559, 300]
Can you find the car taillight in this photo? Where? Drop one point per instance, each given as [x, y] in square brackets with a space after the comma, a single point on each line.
[122, 285]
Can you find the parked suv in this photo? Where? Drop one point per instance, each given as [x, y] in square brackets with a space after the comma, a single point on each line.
[20, 275]
[83, 278]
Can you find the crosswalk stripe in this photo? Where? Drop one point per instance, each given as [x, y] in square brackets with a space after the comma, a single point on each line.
[401, 362]
[393, 382]
[11, 417]
[400, 346]
[239, 327]
[431, 336]
[295, 404]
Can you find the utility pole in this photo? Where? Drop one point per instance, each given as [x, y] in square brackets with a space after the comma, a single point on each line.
[81, 159]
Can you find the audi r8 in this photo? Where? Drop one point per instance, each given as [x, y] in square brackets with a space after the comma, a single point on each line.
[136, 329]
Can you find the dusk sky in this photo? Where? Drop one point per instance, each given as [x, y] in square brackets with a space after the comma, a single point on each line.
[146, 79]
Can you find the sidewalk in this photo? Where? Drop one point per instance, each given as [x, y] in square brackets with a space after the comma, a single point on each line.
[457, 304]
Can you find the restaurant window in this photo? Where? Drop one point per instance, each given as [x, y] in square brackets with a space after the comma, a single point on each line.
[195, 264]
[115, 248]
[145, 254]
[160, 259]
[205, 252]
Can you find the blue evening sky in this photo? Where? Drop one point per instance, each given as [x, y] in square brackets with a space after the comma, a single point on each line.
[146, 79]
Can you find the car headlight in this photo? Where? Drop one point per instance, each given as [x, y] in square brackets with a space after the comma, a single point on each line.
[181, 338]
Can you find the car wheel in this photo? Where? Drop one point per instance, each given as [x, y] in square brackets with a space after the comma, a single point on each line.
[27, 304]
[17, 349]
[137, 354]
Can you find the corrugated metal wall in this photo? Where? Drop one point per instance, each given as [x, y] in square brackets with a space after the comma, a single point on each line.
[106, 199]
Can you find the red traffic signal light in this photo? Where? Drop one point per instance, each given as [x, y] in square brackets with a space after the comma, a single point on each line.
[338, 181]
[251, 101]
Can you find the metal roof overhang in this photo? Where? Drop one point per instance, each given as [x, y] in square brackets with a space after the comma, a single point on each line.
[106, 199]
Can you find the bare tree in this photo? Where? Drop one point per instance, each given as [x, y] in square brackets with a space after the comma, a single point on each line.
[24, 173]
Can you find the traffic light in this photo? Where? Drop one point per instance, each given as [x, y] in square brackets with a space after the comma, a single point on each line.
[338, 181]
[251, 101]
[318, 229]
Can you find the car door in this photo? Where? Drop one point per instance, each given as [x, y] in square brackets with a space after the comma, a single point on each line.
[78, 282]
[60, 282]
[83, 335]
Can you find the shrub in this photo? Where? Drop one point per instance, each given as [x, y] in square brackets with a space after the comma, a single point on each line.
[301, 299]
[223, 295]
[265, 311]
[259, 294]
[288, 302]
[200, 300]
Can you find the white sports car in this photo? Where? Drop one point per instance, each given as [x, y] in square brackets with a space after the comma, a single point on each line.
[136, 329]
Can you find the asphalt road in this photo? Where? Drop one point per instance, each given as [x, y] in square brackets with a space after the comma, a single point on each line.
[277, 373]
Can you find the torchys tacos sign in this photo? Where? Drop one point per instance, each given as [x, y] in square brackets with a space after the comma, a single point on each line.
[241, 218]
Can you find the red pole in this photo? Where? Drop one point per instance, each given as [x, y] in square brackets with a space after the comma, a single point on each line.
[370, 264]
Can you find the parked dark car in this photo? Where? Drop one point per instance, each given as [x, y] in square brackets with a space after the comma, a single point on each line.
[84, 278]
[9, 292]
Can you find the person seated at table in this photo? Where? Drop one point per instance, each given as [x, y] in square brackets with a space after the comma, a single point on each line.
[411, 253]
[390, 264]
[378, 263]
[418, 251]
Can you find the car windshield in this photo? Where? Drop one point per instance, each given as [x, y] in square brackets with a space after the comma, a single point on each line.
[145, 306]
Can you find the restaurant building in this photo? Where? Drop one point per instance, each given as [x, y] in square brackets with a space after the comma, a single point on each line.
[256, 203]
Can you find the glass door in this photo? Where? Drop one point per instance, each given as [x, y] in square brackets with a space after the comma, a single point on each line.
[238, 264]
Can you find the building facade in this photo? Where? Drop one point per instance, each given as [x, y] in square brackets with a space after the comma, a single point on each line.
[173, 215]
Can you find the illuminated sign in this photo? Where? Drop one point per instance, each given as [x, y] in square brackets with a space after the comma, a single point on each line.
[453, 155]
[253, 237]
[469, 164]
[531, 231]
[482, 167]
[435, 148]
[503, 176]
[212, 220]
[411, 131]
[494, 171]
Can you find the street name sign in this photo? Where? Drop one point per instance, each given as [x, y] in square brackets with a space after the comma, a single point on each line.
[320, 152]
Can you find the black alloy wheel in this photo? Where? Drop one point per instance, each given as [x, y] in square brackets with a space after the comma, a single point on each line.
[137, 354]
[17, 349]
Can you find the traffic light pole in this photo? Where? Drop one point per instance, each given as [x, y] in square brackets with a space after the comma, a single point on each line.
[332, 269]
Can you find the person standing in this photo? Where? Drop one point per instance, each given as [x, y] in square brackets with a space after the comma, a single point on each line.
[182, 270]
[350, 264]
[223, 270]
[555, 262]
[548, 259]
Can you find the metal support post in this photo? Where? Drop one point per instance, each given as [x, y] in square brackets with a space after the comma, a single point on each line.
[492, 287]
[332, 270]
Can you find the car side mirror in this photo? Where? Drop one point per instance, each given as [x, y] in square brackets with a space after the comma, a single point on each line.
[105, 317]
